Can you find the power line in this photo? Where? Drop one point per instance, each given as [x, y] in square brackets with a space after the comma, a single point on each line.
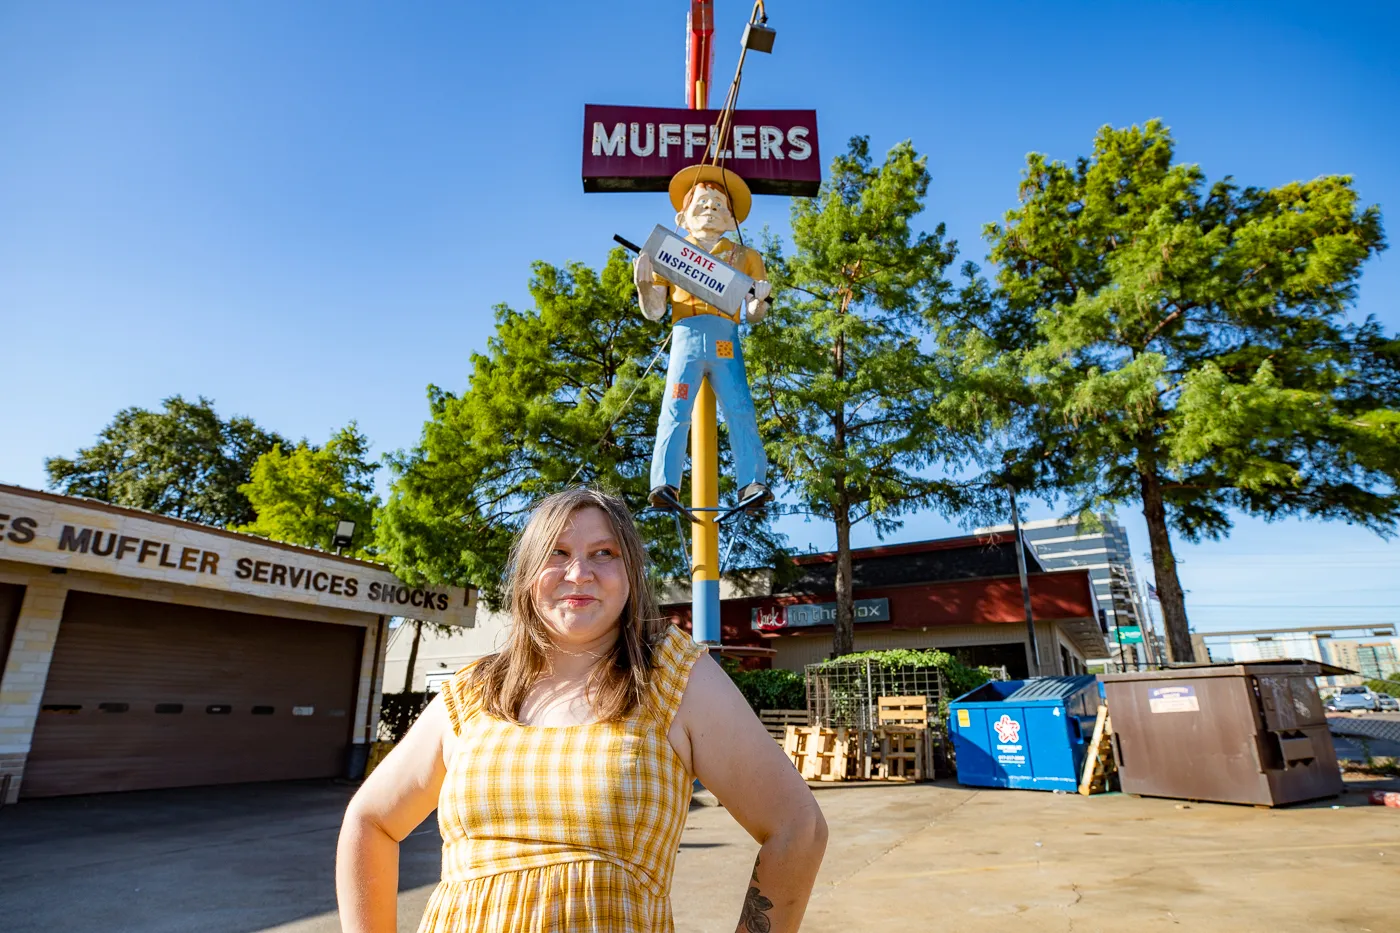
[1395, 607]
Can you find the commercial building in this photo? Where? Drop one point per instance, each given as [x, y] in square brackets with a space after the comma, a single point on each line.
[140, 651]
[1372, 661]
[1317, 643]
[961, 595]
[440, 652]
[1276, 645]
[1200, 650]
[1065, 544]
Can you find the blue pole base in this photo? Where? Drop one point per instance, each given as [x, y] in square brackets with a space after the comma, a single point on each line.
[704, 612]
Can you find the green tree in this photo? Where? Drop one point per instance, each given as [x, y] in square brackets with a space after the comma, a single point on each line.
[184, 461]
[300, 494]
[560, 397]
[1186, 347]
[846, 375]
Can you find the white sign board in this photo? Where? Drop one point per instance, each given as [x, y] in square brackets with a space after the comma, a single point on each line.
[58, 531]
[708, 278]
[1176, 699]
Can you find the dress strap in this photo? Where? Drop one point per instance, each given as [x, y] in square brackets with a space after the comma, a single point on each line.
[675, 655]
[461, 697]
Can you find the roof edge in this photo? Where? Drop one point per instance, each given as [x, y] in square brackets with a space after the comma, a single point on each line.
[100, 506]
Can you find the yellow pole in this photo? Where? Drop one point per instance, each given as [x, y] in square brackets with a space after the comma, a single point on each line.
[704, 497]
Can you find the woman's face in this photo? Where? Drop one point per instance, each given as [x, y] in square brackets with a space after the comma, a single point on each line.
[583, 587]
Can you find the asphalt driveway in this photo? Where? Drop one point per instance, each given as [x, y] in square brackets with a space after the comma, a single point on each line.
[234, 859]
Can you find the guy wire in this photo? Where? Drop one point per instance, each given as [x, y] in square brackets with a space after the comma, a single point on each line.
[625, 402]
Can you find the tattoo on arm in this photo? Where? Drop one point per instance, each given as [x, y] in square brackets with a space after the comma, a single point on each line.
[755, 917]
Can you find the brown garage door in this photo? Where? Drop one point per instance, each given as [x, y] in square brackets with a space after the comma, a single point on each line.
[143, 694]
[11, 598]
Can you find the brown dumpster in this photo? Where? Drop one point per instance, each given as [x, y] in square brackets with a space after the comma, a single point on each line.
[1235, 733]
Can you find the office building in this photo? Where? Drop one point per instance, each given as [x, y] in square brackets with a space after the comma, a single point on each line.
[1068, 544]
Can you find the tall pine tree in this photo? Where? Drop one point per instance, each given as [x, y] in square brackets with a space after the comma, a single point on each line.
[846, 375]
[1186, 346]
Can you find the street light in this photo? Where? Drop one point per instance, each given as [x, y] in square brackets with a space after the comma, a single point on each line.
[344, 533]
[758, 37]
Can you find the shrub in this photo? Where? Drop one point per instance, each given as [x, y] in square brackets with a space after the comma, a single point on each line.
[959, 677]
[770, 689]
[398, 711]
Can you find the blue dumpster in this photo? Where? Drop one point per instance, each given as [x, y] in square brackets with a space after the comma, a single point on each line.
[1029, 734]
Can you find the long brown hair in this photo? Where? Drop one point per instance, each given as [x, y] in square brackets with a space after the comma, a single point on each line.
[618, 683]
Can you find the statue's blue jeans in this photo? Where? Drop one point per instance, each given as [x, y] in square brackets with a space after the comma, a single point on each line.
[707, 345]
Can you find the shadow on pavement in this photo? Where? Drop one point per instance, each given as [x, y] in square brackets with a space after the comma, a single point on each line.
[233, 859]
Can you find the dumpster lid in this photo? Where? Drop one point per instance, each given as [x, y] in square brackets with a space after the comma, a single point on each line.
[1052, 688]
[1038, 689]
[1233, 669]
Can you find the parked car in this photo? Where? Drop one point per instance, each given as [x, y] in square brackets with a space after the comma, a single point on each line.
[1349, 699]
[1388, 703]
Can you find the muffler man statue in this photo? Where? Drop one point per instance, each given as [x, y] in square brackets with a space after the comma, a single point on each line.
[710, 201]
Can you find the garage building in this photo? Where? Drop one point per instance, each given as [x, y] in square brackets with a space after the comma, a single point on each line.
[140, 651]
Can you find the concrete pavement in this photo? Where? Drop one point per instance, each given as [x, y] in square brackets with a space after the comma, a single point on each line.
[259, 859]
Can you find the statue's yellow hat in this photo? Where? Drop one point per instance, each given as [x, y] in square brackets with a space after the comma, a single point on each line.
[740, 197]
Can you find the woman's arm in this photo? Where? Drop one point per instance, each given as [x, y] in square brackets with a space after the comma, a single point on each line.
[735, 757]
[393, 800]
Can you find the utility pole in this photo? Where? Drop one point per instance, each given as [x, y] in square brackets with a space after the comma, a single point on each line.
[1147, 631]
[1124, 597]
[704, 429]
[1034, 668]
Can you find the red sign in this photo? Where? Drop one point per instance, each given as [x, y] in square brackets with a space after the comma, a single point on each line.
[640, 148]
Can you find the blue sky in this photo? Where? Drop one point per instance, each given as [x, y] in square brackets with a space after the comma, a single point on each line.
[306, 211]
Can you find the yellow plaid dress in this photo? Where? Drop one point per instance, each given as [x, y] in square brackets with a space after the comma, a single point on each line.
[563, 828]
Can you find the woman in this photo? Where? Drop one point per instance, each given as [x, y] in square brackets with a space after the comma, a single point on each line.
[562, 766]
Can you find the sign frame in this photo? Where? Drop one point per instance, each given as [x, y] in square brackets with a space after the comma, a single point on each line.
[628, 148]
[687, 266]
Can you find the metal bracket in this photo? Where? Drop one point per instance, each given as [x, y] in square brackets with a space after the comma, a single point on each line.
[744, 506]
[674, 506]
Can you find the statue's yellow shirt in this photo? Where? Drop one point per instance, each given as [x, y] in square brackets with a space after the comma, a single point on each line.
[747, 261]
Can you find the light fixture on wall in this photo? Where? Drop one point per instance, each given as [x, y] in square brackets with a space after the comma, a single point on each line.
[344, 534]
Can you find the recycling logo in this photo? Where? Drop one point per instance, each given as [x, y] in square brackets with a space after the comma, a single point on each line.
[1008, 729]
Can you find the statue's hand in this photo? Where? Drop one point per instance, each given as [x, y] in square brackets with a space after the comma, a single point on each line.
[757, 306]
[642, 272]
[650, 296]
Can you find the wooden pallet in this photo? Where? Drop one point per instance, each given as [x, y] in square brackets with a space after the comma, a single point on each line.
[897, 753]
[902, 711]
[1099, 766]
[820, 754]
[910, 712]
[776, 721]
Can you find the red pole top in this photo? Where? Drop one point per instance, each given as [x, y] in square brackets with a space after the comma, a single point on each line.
[699, 53]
